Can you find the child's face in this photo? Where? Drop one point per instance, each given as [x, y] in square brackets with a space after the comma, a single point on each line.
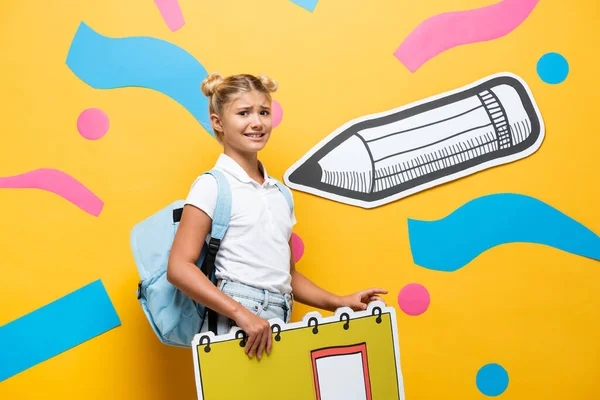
[246, 122]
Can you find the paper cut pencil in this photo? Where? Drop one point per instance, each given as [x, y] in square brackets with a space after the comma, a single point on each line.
[379, 158]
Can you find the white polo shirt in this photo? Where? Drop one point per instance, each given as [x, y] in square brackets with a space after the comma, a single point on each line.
[255, 249]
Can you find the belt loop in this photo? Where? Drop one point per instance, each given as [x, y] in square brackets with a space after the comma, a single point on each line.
[289, 303]
[266, 301]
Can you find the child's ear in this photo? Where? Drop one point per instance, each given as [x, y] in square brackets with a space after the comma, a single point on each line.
[215, 120]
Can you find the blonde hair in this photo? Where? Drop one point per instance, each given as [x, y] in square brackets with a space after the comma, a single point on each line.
[221, 91]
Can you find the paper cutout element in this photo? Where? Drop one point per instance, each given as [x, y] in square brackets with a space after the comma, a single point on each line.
[290, 364]
[277, 113]
[445, 31]
[414, 299]
[171, 13]
[297, 247]
[342, 372]
[307, 4]
[380, 158]
[56, 327]
[92, 123]
[140, 61]
[552, 68]
[452, 242]
[492, 380]
[57, 182]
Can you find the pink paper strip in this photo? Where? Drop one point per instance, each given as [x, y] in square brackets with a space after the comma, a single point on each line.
[445, 31]
[171, 13]
[59, 183]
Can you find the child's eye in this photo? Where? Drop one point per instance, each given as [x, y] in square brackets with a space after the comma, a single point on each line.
[243, 112]
[264, 112]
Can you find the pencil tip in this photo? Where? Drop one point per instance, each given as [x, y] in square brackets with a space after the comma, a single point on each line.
[307, 174]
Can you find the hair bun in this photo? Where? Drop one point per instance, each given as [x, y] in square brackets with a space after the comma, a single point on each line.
[210, 83]
[270, 84]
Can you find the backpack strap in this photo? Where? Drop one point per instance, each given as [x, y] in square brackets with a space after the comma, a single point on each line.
[220, 223]
[286, 192]
[222, 212]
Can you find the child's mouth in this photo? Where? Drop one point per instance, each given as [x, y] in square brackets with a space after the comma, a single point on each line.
[254, 135]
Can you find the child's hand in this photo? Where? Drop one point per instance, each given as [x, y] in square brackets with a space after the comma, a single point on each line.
[258, 330]
[359, 300]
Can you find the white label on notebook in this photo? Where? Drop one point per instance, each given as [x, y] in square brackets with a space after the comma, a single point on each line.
[341, 377]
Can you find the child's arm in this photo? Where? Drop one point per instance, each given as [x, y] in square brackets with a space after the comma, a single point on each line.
[183, 273]
[306, 292]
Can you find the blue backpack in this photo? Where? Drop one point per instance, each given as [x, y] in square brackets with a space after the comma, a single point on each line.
[175, 317]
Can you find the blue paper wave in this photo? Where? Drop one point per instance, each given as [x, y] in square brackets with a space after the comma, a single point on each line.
[109, 63]
[56, 327]
[452, 242]
[307, 4]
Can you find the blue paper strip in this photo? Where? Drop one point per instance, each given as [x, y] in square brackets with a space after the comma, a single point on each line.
[452, 242]
[108, 63]
[54, 328]
[308, 4]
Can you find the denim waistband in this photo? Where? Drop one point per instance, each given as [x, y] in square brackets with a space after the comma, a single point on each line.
[239, 289]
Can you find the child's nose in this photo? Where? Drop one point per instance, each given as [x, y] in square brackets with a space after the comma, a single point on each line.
[256, 120]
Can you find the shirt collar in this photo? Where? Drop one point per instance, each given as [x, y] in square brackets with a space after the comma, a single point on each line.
[230, 166]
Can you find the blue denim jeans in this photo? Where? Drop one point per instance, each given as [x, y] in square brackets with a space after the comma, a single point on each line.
[261, 303]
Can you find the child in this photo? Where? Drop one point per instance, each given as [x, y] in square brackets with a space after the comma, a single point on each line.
[254, 266]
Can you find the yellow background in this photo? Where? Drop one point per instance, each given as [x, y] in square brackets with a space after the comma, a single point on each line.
[530, 308]
[288, 368]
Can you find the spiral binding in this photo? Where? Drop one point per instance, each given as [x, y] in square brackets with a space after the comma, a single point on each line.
[276, 328]
[278, 336]
[207, 347]
[378, 320]
[244, 337]
[347, 324]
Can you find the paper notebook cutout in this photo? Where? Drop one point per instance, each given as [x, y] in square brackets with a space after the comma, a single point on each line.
[365, 343]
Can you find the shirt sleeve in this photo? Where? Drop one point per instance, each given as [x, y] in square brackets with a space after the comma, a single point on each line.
[203, 194]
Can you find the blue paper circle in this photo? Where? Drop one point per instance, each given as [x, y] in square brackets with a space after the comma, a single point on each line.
[492, 380]
[553, 68]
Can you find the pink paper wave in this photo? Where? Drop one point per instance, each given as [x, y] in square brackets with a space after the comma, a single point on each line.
[57, 182]
[171, 13]
[445, 31]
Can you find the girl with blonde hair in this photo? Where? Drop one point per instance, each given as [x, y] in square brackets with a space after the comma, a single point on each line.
[257, 278]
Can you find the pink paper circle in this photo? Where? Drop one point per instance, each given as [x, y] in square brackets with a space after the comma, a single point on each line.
[92, 123]
[297, 247]
[413, 299]
[277, 113]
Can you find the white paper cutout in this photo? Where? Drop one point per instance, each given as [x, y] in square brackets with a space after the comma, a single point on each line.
[380, 158]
